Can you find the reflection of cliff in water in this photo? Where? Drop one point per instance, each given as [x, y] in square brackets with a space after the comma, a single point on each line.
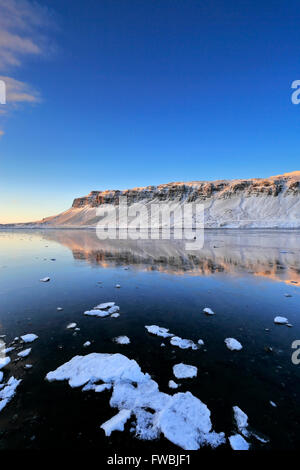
[271, 254]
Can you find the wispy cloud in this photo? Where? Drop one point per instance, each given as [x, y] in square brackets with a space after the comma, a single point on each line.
[23, 27]
[22, 31]
[19, 92]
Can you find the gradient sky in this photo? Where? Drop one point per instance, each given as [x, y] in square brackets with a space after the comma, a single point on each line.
[111, 94]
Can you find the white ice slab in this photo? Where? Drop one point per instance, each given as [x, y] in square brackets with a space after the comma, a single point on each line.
[158, 331]
[29, 337]
[237, 442]
[172, 384]
[281, 320]
[45, 279]
[241, 420]
[208, 311]
[182, 343]
[184, 371]
[122, 340]
[71, 326]
[233, 344]
[116, 423]
[8, 392]
[4, 361]
[24, 353]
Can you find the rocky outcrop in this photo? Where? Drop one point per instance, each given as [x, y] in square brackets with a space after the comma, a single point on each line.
[245, 203]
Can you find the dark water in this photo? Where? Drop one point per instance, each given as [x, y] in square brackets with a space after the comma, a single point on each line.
[241, 275]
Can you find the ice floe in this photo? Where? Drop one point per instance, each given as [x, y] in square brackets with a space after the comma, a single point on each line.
[105, 305]
[4, 361]
[87, 344]
[24, 353]
[200, 342]
[241, 420]
[8, 392]
[117, 422]
[114, 315]
[59, 309]
[182, 418]
[183, 343]
[237, 442]
[273, 404]
[184, 371]
[103, 310]
[29, 337]
[158, 331]
[233, 344]
[28, 366]
[45, 279]
[208, 311]
[281, 320]
[71, 326]
[172, 384]
[1, 376]
[122, 340]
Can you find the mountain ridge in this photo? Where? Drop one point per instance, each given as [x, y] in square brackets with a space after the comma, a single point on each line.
[272, 202]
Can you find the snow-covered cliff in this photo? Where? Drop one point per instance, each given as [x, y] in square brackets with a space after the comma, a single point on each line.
[265, 203]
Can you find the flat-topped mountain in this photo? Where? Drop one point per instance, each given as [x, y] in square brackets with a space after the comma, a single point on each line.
[272, 202]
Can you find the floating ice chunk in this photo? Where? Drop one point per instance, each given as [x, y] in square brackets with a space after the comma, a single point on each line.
[116, 423]
[71, 325]
[184, 371]
[172, 384]
[182, 343]
[208, 311]
[106, 367]
[97, 312]
[241, 420]
[24, 353]
[104, 305]
[45, 279]
[113, 309]
[1, 376]
[122, 340]
[29, 337]
[59, 309]
[8, 392]
[237, 442]
[281, 320]
[182, 418]
[114, 315]
[201, 342]
[158, 331]
[86, 344]
[28, 366]
[162, 345]
[273, 404]
[185, 421]
[4, 361]
[117, 286]
[233, 344]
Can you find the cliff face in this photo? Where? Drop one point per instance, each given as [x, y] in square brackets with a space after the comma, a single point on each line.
[289, 184]
[270, 202]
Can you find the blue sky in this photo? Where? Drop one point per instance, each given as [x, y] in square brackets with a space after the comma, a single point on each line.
[110, 94]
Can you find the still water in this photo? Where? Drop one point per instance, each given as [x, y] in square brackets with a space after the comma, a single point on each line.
[243, 276]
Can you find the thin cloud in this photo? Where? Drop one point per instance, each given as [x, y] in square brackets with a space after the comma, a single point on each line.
[23, 35]
[22, 31]
[19, 92]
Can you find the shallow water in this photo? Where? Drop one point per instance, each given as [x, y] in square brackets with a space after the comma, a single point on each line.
[242, 275]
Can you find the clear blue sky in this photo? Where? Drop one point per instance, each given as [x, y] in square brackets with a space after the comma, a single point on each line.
[137, 92]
